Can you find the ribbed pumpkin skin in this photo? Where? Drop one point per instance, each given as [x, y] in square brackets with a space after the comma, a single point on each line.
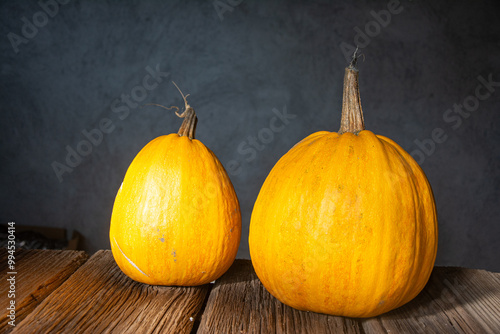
[344, 225]
[176, 218]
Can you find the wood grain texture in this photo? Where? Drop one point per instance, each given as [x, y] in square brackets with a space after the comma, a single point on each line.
[38, 273]
[455, 300]
[239, 303]
[99, 298]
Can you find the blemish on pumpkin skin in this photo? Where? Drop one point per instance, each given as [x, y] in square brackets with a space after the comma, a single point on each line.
[235, 211]
[174, 255]
[351, 150]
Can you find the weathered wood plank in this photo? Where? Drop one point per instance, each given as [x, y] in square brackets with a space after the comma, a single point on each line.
[239, 303]
[37, 274]
[99, 298]
[454, 301]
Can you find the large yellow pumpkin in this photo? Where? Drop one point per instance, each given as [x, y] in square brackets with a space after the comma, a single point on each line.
[176, 218]
[345, 223]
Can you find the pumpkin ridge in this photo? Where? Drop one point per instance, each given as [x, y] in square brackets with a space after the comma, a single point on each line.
[413, 180]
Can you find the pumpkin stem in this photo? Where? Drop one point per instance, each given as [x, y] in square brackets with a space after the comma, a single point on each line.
[188, 126]
[159, 105]
[352, 114]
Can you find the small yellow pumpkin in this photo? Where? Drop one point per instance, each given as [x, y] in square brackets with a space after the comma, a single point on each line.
[345, 223]
[176, 218]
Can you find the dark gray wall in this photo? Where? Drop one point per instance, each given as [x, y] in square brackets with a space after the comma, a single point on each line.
[242, 66]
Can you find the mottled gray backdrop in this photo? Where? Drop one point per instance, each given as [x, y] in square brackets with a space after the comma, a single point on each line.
[262, 75]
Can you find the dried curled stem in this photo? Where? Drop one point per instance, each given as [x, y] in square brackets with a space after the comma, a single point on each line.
[188, 126]
[168, 108]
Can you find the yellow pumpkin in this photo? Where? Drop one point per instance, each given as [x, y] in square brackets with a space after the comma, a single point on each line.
[345, 223]
[176, 218]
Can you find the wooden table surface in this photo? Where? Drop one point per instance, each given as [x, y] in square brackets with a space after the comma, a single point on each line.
[68, 292]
